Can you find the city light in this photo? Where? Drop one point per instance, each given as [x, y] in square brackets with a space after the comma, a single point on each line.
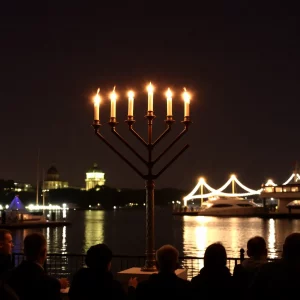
[48, 207]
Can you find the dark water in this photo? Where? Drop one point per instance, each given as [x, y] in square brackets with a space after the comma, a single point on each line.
[124, 232]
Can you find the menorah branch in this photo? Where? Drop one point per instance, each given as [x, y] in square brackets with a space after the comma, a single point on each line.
[171, 161]
[119, 154]
[138, 136]
[128, 145]
[130, 121]
[171, 145]
[162, 135]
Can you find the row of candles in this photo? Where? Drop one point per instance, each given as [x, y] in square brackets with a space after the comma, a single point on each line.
[113, 98]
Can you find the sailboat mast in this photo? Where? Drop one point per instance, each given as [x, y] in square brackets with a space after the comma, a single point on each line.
[37, 177]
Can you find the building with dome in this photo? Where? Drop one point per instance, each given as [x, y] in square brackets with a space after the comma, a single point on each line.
[52, 180]
[94, 177]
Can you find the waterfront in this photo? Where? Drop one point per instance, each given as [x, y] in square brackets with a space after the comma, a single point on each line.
[124, 232]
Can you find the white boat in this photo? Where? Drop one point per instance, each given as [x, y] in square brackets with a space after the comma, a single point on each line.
[229, 206]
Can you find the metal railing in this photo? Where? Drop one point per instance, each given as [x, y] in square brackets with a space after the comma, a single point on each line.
[65, 265]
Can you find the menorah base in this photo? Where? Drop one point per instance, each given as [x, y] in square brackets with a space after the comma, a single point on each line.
[149, 269]
[125, 275]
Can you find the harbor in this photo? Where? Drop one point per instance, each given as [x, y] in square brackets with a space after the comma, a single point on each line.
[17, 216]
[35, 224]
[190, 234]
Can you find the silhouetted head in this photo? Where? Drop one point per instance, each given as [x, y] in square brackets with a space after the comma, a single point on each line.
[35, 247]
[99, 256]
[291, 247]
[215, 256]
[6, 242]
[257, 247]
[167, 258]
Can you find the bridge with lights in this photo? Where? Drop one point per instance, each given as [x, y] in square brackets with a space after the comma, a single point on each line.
[287, 194]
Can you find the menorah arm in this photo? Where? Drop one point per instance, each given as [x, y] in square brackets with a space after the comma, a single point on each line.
[170, 146]
[162, 135]
[119, 154]
[171, 161]
[128, 145]
[138, 136]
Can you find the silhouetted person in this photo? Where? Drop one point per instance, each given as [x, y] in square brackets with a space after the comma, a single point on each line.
[6, 246]
[96, 281]
[280, 279]
[165, 282]
[29, 279]
[244, 272]
[6, 266]
[214, 278]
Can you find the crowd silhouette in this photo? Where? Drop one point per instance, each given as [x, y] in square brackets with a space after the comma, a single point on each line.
[255, 276]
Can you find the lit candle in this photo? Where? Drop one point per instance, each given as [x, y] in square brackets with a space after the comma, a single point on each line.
[130, 103]
[113, 98]
[186, 98]
[97, 106]
[150, 97]
[169, 102]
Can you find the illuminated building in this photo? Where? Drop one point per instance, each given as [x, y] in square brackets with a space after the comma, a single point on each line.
[94, 177]
[52, 180]
[23, 187]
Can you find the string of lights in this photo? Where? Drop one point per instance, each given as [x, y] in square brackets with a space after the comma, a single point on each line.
[232, 180]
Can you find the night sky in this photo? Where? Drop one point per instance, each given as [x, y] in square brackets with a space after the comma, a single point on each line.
[239, 59]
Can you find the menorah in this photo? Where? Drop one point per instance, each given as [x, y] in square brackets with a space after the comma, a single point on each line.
[149, 177]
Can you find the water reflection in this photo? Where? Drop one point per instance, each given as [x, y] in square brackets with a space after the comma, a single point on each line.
[234, 233]
[200, 232]
[94, 228]
[64, 240]
[124, 232]
[48, 236]
[271, 239]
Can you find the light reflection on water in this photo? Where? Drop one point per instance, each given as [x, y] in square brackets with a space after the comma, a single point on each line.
[271, 239]
[124, 232]
[94, 228]
[64, 243]
[234, 233]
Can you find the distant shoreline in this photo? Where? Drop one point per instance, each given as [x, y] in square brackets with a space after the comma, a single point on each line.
[23, 225]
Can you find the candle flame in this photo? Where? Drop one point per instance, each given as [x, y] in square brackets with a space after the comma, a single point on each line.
[97, 97]
[113, 95]
[186, 96]
[169, 93]
[150, 88]
[130, 94]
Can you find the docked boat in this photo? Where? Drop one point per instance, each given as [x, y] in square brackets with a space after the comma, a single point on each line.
[17, 213]
[16, 216]
[229, 206]
[224, 206]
